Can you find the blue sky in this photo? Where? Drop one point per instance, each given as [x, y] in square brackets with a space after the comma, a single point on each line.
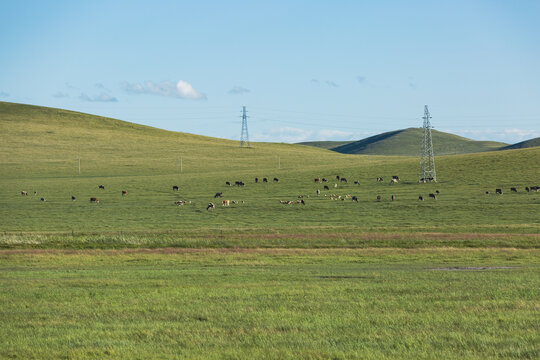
[306, 70]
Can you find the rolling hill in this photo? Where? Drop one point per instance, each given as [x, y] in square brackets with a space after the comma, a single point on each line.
[523, 144]
[407, 142]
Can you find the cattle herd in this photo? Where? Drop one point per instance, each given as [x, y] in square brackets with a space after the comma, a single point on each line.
[300, 199]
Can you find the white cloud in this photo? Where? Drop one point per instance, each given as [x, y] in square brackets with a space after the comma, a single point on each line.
[331, 83]
[294, 135]
[361, 79]
[505, 135]
[182, 89]
[103, 97]
[238, 90]
[3, 94]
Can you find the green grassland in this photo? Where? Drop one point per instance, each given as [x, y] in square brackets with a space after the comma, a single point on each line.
[524, 144]
[270, 304]
[41, 148]
[139, 277]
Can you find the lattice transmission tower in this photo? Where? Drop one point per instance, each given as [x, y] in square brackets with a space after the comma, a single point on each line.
[427, 159]
[244, 138]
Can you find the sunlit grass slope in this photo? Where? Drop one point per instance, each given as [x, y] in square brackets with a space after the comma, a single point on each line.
[40, 147]
[408, 142]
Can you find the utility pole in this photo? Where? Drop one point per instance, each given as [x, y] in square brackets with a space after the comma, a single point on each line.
[244, 138]
[427, 159]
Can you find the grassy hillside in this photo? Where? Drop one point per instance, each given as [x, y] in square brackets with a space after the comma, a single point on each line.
[41, 146]
[407, 142]
[524, 144]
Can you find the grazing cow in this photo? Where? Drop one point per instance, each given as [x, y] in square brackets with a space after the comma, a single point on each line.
[379, 179]
[318, 180]
[265, 180]
[283, 202]
[35, 193]
[337, 177]
[498, 191]
[227, 183]
[487, 192]
[124, 192]
[24, 193]
[335, 186]
[393, 197]
[256, 180]
[433, 196]
[318, 192]
[239, 183]
[326, 187]
[527, 189]
[395, 177]
[210, 206]
[354, 198]
[437, 192]
[276, 180]
[175, 187]
[94, 200]
[219, 194]
[42, 199]
[379, 197]
[393, 181]
[324, 180]
[179, 202]
[534, 188]
[421, 198]
[72, 198]
[513, 189]
[356, 183]
[225, 203]
[102, 187]
[302, 202]
[343, 180]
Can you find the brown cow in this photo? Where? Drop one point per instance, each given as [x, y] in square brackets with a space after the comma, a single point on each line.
[393, 197]
[225, 203]
[124, 192]
[94, 200]
[318, 180]
[24, 193]
[379, 197]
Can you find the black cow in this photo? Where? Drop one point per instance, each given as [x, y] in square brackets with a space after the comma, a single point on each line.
[421, 198]
[276, 179]
[265, 180]
[337, 177]
[324, 180]
[437, 191]
[42, 199]
[256, 180]
[393, 197]
[498, 191]
[302, 202]
[102, 187]
[326, 187]
[210, 206]
[433, 196]
[343, 180]
[72, 198]
[513, 189]
[395, 177]
[175, 187]
[527, 189]
[94, 200]
[354, 198]
[219, 194]
[356, 183]
[379, 179]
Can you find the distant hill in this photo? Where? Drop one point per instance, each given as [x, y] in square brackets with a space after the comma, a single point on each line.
[407, 142]
[524, 144]
[325, 144]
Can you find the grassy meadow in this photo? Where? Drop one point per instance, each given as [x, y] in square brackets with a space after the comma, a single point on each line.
[137, 276]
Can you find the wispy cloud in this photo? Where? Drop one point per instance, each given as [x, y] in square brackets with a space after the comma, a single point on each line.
[331, 83]
[102, 87]
[326, 82]
[504, 135]
[60, 95]
[3, 94]
[293, 135]
[361, 79]
[103, 97]
[182, 89]
[238, 90]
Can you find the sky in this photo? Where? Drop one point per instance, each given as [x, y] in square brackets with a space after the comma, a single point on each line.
[305, 70]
